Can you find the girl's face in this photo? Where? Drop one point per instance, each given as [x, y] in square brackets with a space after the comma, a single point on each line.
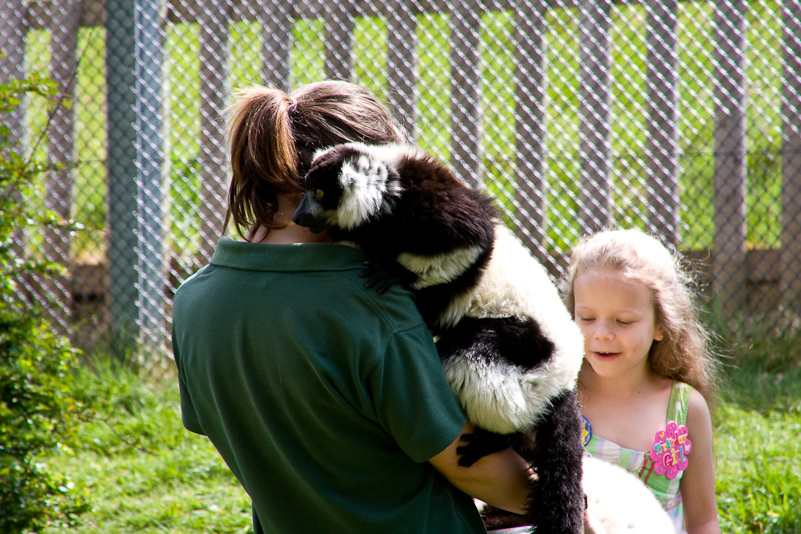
[616, 316]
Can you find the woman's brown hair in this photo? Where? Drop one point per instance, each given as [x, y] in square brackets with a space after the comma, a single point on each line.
[273, 136]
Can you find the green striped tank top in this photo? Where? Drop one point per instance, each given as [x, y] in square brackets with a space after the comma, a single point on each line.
[639, 463]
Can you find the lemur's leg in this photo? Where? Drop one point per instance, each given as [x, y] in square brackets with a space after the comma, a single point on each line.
[556, 499]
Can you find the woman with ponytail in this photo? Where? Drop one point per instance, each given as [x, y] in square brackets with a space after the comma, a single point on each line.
[326, 400]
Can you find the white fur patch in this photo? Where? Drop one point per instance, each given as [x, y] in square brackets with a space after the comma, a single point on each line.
[491, 393]
[365, 183]
[514, 284]
[620, 502]
[439, 269]
[505, 398]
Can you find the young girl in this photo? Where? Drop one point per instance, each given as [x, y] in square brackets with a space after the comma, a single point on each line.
[647, 374]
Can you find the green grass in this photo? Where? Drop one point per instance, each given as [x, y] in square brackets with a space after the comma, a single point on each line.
[756, 431]
[145, 473]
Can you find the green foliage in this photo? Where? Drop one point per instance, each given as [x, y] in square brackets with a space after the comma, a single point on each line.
[36, 410]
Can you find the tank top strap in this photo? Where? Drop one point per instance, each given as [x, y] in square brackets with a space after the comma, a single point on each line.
[679, 402]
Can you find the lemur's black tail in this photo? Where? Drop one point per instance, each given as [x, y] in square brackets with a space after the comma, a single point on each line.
[556, 503]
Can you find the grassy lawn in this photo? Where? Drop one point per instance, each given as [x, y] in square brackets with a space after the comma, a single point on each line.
[145, 473]
[756, 438]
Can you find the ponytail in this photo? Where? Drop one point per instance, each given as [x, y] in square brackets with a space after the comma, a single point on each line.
[273, 137]
[263, 158]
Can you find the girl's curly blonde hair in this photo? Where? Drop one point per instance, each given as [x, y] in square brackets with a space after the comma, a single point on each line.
[684, 353]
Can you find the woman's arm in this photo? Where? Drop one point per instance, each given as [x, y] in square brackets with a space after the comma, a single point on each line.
[698, 482]
[499, 479]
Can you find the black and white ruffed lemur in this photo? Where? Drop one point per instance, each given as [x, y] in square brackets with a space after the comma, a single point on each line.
[508, 346]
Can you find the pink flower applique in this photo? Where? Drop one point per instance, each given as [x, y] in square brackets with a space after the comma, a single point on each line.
[670, 449]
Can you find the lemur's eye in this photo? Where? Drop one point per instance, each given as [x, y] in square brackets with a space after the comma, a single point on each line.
[320, 193]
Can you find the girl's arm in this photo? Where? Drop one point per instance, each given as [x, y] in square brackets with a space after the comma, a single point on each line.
[698, 482]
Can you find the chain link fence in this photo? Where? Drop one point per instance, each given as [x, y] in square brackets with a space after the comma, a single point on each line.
[681, 118]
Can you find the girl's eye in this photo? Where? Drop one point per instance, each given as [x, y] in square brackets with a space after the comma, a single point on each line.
[319, 193]
[586, 319]
[624, 323]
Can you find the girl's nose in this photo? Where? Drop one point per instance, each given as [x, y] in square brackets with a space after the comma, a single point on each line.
[603, 332]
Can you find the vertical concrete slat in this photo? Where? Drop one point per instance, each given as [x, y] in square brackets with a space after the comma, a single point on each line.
[595, 22]
[276, 20]
[214, 90]
[729, 34]
[65, 19]
[340, 22]
[530, 126]
[465, 29]
[402, 95]
[13, 28]
[662, 144]
[790, 285]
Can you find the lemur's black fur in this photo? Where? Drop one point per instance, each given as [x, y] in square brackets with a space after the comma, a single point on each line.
[507, 344]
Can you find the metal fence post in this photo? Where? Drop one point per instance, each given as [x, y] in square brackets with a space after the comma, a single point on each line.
[121, 167]
[149, 16]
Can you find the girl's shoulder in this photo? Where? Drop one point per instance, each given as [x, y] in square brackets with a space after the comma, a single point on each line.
[698, 416]
[690, 398]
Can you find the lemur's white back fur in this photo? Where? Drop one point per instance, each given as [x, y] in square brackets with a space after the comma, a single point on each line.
[439, 269]
[500, 397]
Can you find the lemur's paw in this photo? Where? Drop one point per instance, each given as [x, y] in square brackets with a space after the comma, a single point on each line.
[383, 274]
[481, 443]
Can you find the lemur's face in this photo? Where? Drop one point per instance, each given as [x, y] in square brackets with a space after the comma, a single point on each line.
[345, 187]
[318, 208]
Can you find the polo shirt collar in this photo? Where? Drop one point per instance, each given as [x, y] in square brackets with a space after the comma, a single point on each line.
[295, 257]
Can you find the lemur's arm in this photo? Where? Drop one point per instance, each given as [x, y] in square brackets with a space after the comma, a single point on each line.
[418, 271]
[438, 230]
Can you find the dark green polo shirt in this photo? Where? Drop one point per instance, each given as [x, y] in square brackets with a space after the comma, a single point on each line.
[325, 399]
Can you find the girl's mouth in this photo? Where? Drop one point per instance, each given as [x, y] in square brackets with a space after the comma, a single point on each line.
[606, 355]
